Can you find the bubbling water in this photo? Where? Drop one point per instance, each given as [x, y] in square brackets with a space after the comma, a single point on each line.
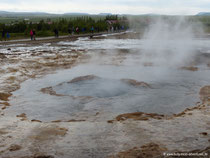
[94, 86]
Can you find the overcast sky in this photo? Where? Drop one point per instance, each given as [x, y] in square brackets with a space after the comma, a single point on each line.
[171, 7]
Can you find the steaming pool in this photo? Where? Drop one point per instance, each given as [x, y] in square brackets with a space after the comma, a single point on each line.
[117, 79]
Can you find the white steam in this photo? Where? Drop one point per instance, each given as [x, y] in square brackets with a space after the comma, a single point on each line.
[169, 41]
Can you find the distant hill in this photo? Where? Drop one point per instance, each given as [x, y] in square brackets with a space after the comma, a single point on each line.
[3, 12]
[44, 14]
[16, 14]
[105, 14]
[75, 14]
[203, 14]
[32, 14]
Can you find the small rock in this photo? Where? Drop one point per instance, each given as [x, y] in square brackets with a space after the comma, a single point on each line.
[36, 120]
[43, 156]
[22, 115]
[2, 56]
[204, 133]
[14, 147]
[110, 121]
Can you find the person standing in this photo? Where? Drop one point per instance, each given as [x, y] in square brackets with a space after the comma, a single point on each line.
[34, 35]
[8, 35]
[56, 33]
[69, 31]
[92, 29]
[112, 29]
[31, 34]
[3, 35]
[77, 30]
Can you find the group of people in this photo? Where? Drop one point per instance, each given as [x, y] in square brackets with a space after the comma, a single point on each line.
[76, 30]
[33, 34]
[72, 30]
[114, 29]
[5, 35]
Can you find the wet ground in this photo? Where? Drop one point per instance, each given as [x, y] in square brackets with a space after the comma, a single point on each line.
[110, 96]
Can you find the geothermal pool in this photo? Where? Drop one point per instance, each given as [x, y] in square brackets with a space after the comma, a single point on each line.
[116, 76]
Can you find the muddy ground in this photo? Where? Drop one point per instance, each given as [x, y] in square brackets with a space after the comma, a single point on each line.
[128, 135]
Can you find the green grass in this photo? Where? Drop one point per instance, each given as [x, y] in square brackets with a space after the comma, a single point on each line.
[14, 36]
[5, 20]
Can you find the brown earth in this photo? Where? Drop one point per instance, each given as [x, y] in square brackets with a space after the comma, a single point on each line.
[188, 110]
[5, 96]
[38, 156]
[14, 147]
[3, 131]
[190, 68]
[137, 116]
[136, 83]
[146, 151]
[4, 105]
[205, 94]
[73, 120]
[47, 133]
[22, 116]
[83, 78]
[49, 90]
[2, 56]
[34, 120]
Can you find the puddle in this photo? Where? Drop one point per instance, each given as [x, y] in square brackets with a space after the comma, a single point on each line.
[99, 88]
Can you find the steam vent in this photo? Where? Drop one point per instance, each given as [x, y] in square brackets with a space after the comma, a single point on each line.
[94, 86]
